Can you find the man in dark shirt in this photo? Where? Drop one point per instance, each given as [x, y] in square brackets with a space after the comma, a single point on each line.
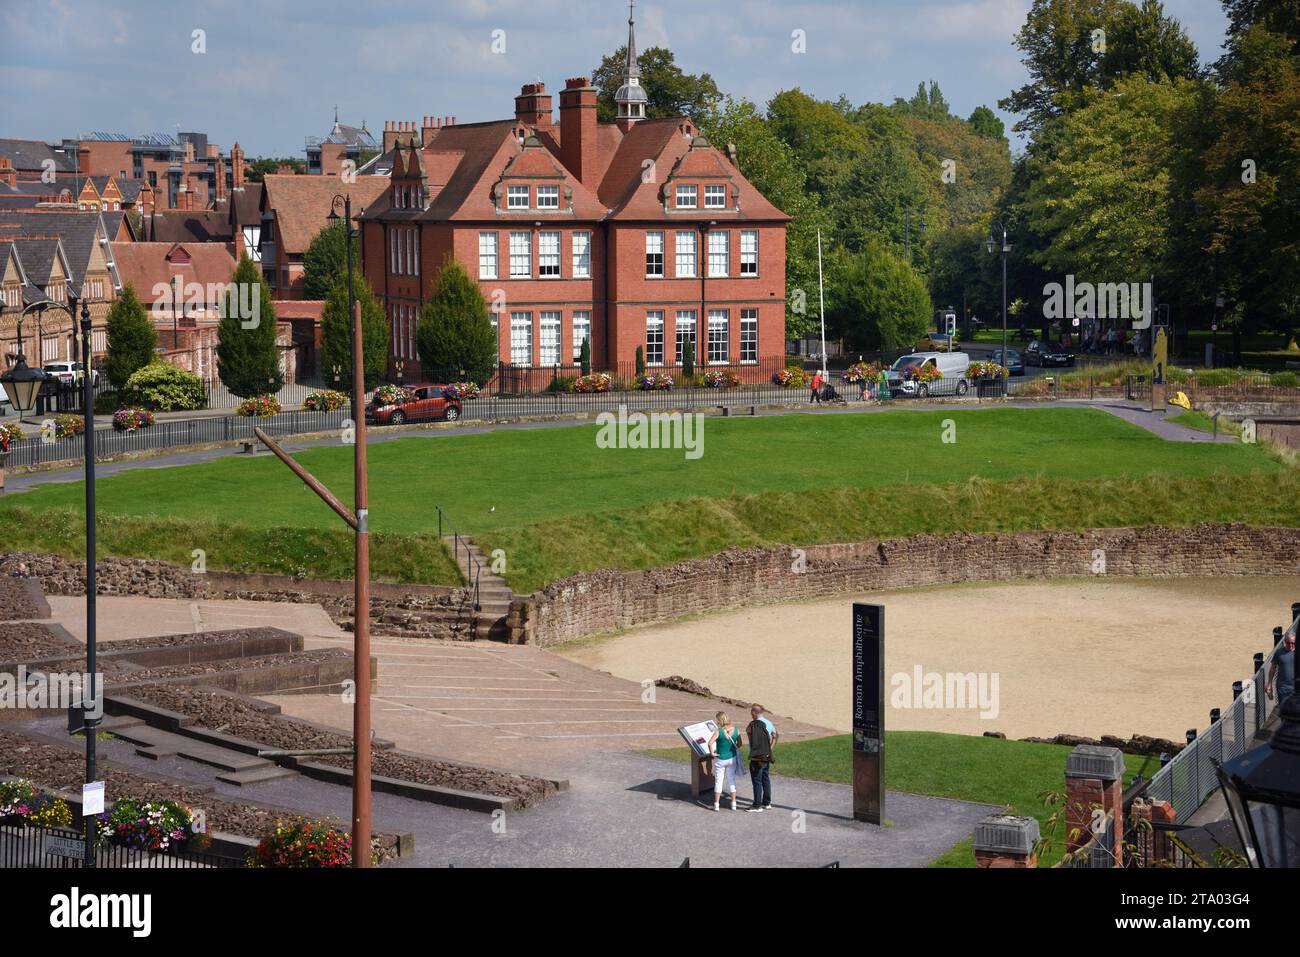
[1282, 672]
[762, 737]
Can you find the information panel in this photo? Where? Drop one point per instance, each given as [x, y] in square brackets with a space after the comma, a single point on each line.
[869, 713]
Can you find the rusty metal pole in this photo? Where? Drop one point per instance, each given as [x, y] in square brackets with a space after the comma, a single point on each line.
[361, 618]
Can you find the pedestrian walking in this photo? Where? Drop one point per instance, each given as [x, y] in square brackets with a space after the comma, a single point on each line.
[816, 397]
[762, 736]
[725, 748]
[1281, 674]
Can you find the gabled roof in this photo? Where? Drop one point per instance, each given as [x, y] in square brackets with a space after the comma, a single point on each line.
[146, 265]
[129, 188]
[79, 232]
[29, 155]
[302, 203]
[188, 225]
[242, 206]
[38, 256]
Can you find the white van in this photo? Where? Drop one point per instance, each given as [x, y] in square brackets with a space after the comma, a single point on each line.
[952, 367]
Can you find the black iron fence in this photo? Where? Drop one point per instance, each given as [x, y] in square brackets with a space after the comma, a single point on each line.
[1221, 385]
[42, 446]
[23, 845]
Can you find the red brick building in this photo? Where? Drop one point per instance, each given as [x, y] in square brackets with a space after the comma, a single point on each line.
[635, 233]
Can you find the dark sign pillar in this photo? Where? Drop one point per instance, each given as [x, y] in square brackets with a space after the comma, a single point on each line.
[869, 713]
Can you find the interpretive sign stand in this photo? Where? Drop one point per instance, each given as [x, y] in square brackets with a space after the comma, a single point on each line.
[697, 737]
[869, 713]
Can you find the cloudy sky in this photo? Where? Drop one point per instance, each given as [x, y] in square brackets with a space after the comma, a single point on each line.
[273, 71]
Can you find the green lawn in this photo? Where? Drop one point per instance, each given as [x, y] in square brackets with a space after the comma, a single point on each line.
[984, 770]
[558, 504]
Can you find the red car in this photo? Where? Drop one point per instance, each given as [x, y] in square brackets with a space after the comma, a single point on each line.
[426, 402]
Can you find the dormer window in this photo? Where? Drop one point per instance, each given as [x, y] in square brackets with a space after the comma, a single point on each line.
[687, 196]
[548, 197]
[715, 196]
[517, 197]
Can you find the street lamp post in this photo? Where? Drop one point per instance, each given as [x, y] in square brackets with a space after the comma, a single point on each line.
[992, 246]
[25, 383]
[22, 383]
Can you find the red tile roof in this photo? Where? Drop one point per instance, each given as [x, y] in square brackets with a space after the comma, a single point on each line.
[145, 265]
[302, 203]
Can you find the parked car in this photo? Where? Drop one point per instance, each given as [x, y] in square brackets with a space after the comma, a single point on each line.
[70, 373]
[935, 342]
[427, 402]
[1015, 363]
[1039, 353]
[904, 373]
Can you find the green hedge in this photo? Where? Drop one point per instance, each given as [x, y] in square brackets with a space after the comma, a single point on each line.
[163, 387]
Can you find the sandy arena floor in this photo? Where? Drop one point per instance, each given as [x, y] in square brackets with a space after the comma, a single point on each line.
[1083, 657]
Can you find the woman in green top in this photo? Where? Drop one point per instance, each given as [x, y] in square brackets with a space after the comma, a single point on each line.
[725, 745]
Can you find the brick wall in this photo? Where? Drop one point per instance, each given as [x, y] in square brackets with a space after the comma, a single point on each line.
[427, 611]
[602, 601]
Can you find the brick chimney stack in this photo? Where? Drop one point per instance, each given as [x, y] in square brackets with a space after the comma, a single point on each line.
[578, 129]
[8, 175]
[533, 106]
[237, 166]
[221, 176]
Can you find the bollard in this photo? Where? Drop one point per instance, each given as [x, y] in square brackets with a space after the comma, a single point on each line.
[1165, 758]
[1259, 661]
[1191, 735]
[1236, 690]
[1214, 715]
[1277, 635]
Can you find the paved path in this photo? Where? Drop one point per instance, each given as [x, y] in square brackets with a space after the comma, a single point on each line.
[1158, 422]
[626, 810]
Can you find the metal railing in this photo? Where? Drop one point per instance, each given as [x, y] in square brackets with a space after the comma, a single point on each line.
[169, 433]
[1098, 852]
[1189, 777]
[1222, 385]
[473, 568]
[24, 845]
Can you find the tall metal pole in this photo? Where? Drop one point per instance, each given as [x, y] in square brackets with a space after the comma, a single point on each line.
[1004, 296]
[89, 697]
[361, 617]
[821, 299]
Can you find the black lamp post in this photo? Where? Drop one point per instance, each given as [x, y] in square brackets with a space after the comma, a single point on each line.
[1262, 789]
[992, 245]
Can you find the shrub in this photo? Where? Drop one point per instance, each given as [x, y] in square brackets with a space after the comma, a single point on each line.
[595, 382]
[563, 383]
[163, 387]
[303, 843]
[128, 420]
[259, 407]
[1284, 380]
[148, 825]
[327, 400]
[107, 402]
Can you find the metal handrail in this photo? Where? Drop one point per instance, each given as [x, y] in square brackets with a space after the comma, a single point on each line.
[471, 563]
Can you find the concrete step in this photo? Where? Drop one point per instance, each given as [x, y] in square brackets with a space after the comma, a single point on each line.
[154, 743]
[119, 723]
[255, 775]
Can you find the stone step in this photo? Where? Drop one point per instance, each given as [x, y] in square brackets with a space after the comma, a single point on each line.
[255, 775]
[119, 723]
[155, 743]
